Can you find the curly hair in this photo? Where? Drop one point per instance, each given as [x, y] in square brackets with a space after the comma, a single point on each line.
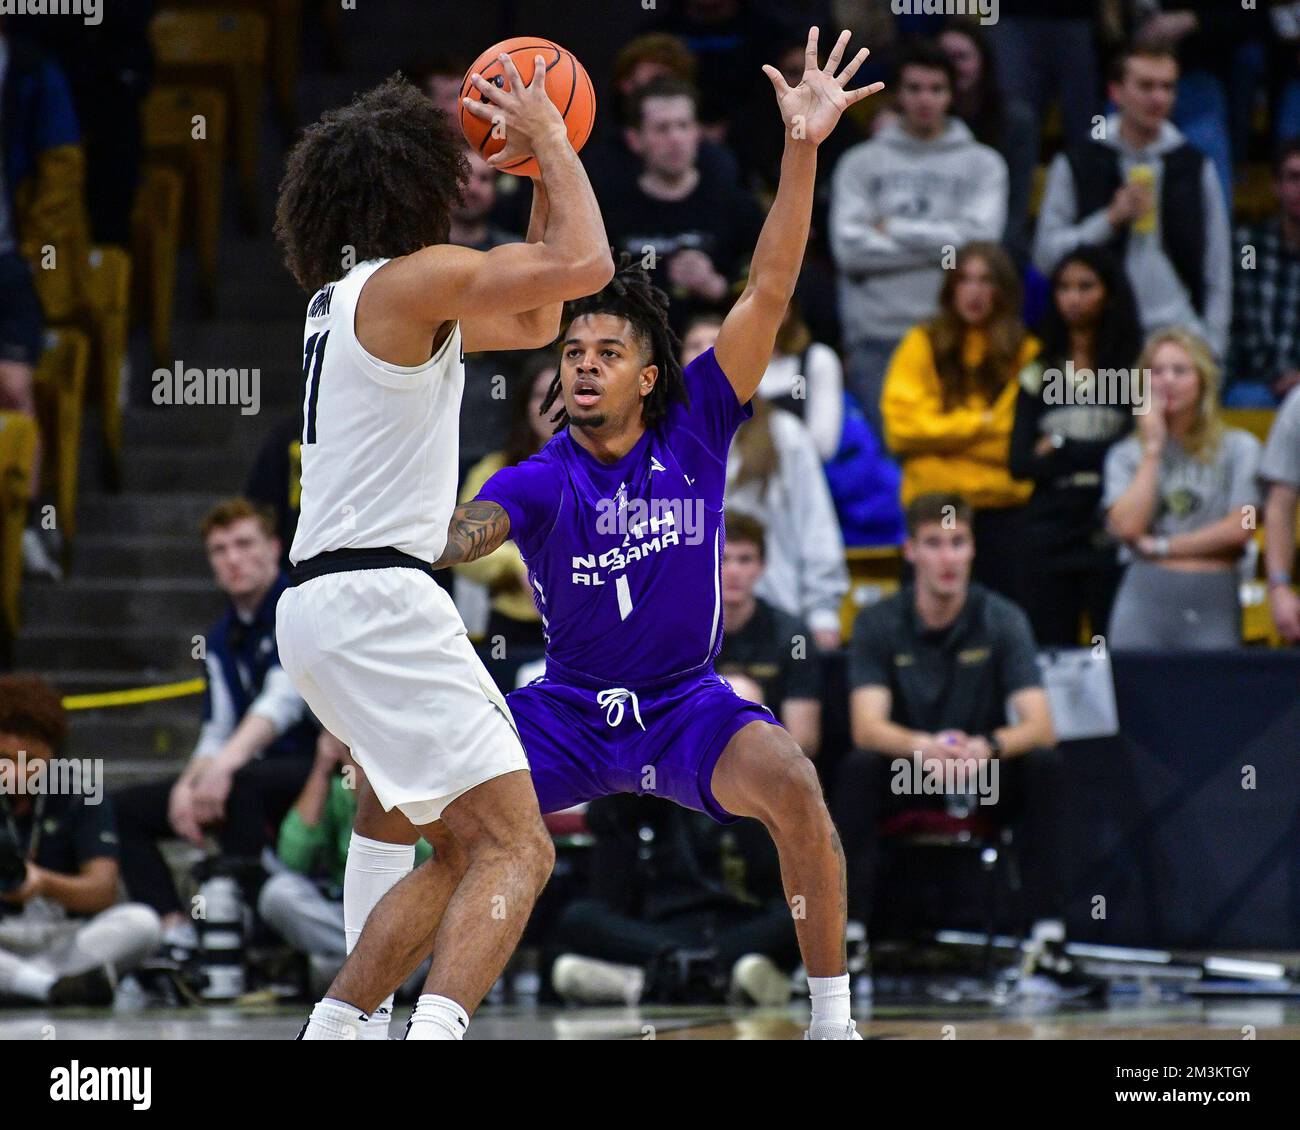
[630, 294]
[31, 708]
[378, 177]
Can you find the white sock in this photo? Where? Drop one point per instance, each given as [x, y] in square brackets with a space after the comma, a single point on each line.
[830, 1004]
[437, 1018]
[24, 978]
[335, 1020]
[373, 869]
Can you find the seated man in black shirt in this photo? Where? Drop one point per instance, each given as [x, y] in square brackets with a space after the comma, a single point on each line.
[695, 228]
[939, 671]
[767, 655]
[62, 940]
[681, 908]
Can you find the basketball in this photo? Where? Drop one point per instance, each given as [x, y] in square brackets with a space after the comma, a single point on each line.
[567, 85]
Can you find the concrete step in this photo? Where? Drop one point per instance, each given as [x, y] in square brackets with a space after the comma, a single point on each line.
[215, 426]
[140, 555]
[183, 604]
[135, 732]
[93, 680]
[165, 470]
[145, 650]
[177, 514]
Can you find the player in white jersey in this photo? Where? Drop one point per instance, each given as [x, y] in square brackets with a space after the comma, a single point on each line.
[369, 638]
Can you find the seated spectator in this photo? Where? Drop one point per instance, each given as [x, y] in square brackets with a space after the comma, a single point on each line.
[775, 475]
[610, 162]
[1064, 425]
[697, 230]
[62, 939]
[949, 404]
[471, 217]
[1181, 494]
[1152, 198]
[1264, 360]
[680, 909]
[937, 672]
[1221, 54]
[304, 902]
[42, 163]
[1046, 53]
[1279, 469]
[255, 747]
[768, 648]
[900, 203]
[730, 40]
[109, 65]
[514, 618]
[1008, 125]
[806, 378]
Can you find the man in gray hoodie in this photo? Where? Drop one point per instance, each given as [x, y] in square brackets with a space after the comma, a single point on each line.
[901, 205]
[1142, 190]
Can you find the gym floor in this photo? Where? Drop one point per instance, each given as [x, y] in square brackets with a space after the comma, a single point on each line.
[1136, 1020]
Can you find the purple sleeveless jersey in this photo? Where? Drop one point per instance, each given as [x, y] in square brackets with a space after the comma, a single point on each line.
[625, 559]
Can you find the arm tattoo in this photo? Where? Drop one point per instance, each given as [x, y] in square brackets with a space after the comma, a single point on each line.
[476, 529]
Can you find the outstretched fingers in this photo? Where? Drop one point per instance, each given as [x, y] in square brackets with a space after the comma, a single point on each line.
[848, 72]
[853, 96]
[837, 53]
[778, 80]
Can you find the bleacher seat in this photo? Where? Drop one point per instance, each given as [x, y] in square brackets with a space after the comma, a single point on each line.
[1257, 421]
[223, 48]
[285, 55]
[168, 116]
[17, 453]
[155, 243]
[60, 400]
[873, 574]
[108, 297]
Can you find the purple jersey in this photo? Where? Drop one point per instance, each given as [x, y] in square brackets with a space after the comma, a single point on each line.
[625, 558]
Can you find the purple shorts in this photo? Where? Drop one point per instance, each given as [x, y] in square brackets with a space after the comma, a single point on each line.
[587, 742]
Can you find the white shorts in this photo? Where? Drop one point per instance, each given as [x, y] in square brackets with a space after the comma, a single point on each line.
[382, 658]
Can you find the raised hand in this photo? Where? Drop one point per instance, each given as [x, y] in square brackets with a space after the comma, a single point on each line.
[524, 113]
[811, 109]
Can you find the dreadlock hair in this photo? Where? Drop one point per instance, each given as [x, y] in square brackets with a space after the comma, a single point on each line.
[378, 178]
[630, 294]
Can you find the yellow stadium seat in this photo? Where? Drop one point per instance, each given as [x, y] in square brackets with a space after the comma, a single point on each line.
[874, 573]
[227, 49]
[1257, 421]
[285, 55]
[1253, 199]
[155, 242]
[108, 290]
[172, 115]
[1257, 625]
[60, 400]
[17, 452]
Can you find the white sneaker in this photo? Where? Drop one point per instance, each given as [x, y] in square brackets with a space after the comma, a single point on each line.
[849, 1033]
[756, 978]
[585, 980]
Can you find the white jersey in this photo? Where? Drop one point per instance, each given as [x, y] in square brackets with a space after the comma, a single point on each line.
[380, 442]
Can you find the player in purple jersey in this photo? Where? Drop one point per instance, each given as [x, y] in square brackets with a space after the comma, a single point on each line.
[620, 521]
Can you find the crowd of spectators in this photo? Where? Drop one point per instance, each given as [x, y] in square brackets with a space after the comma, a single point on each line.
[939, 388]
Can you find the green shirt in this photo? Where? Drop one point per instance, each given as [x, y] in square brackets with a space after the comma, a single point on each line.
[321, 849]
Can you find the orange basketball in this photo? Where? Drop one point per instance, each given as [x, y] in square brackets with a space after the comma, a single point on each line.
[567, 85]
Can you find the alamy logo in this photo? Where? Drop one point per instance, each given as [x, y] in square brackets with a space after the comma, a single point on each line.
[179, 385]
[985, 10]
[75, 1083]
[90, 11]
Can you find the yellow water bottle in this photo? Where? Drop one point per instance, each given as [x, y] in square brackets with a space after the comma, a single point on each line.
[1145, 224]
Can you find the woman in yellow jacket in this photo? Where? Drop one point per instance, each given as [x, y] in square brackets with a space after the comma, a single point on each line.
[514, 619]
[949, 405]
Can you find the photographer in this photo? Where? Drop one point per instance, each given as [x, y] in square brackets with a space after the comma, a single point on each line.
[61, 938]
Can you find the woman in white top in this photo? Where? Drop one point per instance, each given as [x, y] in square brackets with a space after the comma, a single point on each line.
[805, 378]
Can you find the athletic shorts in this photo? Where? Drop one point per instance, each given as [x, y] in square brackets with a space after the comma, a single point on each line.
[382, 658]
[588, 742]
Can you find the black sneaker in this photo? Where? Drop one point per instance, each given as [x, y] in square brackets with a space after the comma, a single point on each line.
[93, 988]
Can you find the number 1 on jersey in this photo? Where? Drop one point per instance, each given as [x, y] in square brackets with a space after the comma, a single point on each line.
[624, 597]
[313, 358]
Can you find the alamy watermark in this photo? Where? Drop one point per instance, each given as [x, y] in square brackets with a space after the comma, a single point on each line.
[90, 11]
[52, 776]
[1111, 387]
[179, 385]
[986, 11]
[948, 776]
